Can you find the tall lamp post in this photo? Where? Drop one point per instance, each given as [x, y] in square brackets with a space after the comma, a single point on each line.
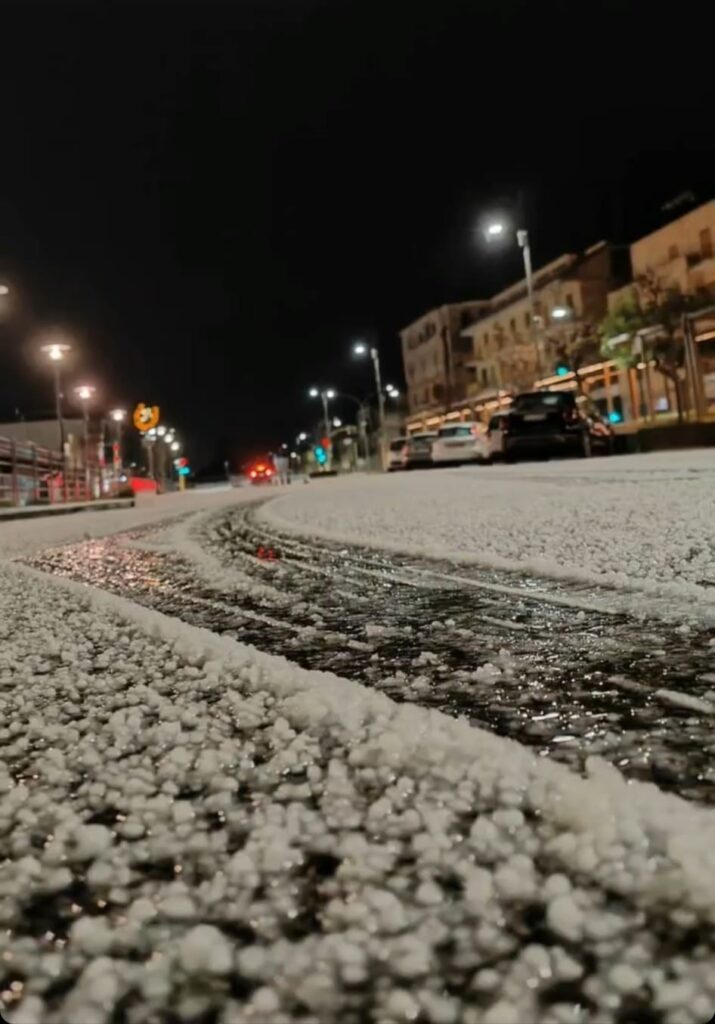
[56, 352]
[496, 230]
[325, 395]
[118, 417]
[360, 348]
[84, 393]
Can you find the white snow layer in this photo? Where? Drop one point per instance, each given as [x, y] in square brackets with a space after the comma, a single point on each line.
[21, 537]
[191, 830]
[643, 523]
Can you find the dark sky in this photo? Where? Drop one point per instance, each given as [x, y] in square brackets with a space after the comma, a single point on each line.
[215, 199]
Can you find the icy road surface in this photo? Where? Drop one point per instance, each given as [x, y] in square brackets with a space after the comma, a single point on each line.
[193, 831]
[552, 665]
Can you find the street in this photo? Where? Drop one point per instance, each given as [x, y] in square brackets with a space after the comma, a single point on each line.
[435, 746]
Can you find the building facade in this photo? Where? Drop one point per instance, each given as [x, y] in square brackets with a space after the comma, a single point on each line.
[570, 300]
[435, 354]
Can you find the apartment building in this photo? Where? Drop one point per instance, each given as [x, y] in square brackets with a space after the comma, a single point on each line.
[435, 353]
[570, 300]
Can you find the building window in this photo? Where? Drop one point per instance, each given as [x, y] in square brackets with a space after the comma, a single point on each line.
[569, 300]
[512, 324]
[485, 376]
[527, 320]
[706, 243]
[672, 252]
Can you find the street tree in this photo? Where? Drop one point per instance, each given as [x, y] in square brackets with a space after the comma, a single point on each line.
[647, 325]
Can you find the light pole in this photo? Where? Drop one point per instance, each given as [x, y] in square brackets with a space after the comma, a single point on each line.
[118, 416]
[496, 230]
[84, 393]
[325, 395]
[360, 348]
[56, 352]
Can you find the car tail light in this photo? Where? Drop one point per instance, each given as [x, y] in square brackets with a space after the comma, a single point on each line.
[254, 474]
[269, 472]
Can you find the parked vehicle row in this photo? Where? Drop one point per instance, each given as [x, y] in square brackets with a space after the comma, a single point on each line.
[538, 423]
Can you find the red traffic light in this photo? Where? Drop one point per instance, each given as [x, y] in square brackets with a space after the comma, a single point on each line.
[182, 462]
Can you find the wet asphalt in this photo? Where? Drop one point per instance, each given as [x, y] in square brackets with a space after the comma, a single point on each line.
[544, 663]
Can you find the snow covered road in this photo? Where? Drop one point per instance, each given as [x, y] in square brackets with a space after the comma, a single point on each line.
[643, 525]
[193, 830]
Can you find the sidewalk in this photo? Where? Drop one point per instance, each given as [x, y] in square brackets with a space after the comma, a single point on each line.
[63, 508]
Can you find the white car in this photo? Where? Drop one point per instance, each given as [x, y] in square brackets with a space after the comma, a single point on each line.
[397, 455]
[460, 442]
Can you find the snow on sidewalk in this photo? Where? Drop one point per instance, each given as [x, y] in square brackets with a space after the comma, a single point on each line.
[23, 536]
[643, 523]
[190, 827]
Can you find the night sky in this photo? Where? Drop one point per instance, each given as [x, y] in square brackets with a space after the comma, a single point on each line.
[214, 200]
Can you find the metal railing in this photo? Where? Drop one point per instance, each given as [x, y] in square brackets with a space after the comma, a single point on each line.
[30, 475]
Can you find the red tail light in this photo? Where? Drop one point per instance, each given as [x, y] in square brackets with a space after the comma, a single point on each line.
[269, 472]
[253, 474]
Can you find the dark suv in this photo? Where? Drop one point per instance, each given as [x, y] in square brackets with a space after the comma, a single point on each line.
[555, 423]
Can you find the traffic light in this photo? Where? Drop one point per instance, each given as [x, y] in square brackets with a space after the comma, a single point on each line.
[321, 456]
[562, 369]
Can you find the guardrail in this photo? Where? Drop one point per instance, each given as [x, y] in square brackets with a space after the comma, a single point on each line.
[30, 475]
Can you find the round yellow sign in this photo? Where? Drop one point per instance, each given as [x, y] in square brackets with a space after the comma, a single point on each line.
[146, 417]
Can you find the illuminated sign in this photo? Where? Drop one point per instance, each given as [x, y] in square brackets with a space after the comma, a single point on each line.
[146, 417]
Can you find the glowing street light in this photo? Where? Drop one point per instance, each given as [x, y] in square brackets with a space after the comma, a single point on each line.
[175, 446]
[56, 351]
[393, 392]
[497, 229]
[161, 431]
[85, 392]
[4, 290]
[559, 313]
[361, 348]
[302, 436]
[325, 395]
[118, 417]
[337, 422]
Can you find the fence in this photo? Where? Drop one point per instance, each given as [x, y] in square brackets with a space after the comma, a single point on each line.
[30, 475]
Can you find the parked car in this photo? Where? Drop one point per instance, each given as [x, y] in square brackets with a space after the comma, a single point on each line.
[419, 450]
[397, 454]
[497, 430]
[459, 442]
[554, 423]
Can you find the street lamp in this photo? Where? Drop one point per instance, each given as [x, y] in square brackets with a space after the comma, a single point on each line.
[118, 416]
[496, 229]
[302, 436]
[337, 422]
[84, 393]
[360, 348]
[325, 396]
[175, 446]
[56, 352]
